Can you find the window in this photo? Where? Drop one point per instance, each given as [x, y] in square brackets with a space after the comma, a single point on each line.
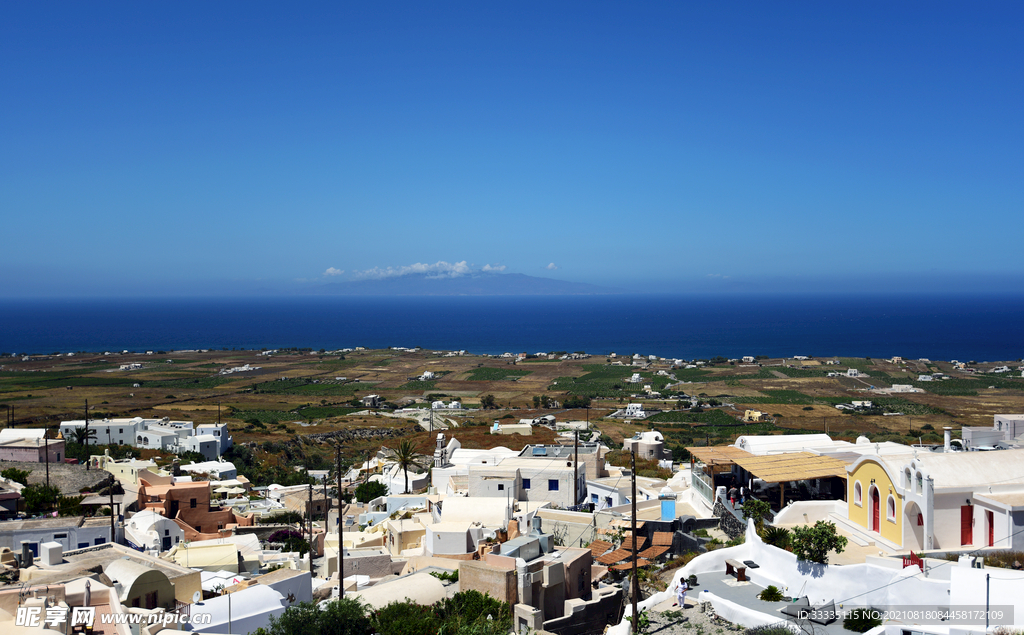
[58, 456]
[593, 499]
[167, 532]
[890, 508]
[920, 483]
[34, 548]
[920, 520]
[120, 430]
[177, 539]
[83, 545]
[192, 503]
[552, 484]
[858, 494]
[526, 483]
[501, 487]
[99, 541]
[59, 536]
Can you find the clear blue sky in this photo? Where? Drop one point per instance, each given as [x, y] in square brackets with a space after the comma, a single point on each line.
[203, 147]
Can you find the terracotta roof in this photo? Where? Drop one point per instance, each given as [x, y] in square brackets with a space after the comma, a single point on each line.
[662, 538]
[653, 552]
[599, 546]
[615, 556]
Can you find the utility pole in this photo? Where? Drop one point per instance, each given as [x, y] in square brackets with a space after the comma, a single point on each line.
[341, 540]
[46, 442]
[87, 438]
[312, 547]
[113, 534]
[633, 587]
[575, 467]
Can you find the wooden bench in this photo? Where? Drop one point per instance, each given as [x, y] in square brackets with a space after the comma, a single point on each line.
[736, 568]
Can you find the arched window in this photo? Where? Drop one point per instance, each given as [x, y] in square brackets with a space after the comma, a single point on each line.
[890, 509]
[858, 494]
[906, 478]
[920, 483]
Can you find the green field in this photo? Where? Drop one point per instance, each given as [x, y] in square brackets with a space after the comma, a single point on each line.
[778, 396]
[418, 385]
[303, 386]
[495, 374]
[607, 381]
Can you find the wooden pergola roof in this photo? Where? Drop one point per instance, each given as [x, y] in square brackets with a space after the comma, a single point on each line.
[717, 455]
[791, 466]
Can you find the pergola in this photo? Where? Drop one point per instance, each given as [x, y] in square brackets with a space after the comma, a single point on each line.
[720, 458]
[791, 466]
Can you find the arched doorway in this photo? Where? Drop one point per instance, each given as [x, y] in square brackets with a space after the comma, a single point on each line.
[876, 510]
[913, 527]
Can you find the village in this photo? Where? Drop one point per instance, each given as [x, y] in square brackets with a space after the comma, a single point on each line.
[582, 513]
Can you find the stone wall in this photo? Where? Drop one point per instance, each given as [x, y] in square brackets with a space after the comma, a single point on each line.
[730, 522]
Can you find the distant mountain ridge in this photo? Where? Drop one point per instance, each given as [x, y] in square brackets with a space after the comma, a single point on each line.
[479, 283]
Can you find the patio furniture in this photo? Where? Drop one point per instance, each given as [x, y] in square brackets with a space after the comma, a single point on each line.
[751, 564]
[737, 568]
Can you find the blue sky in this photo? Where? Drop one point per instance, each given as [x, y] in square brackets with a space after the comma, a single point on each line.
[200, 148]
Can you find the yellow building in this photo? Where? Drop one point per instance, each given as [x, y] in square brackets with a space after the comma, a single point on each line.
[874, 499]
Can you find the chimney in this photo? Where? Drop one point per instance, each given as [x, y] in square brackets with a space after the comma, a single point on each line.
[26, 554]
[945, 438]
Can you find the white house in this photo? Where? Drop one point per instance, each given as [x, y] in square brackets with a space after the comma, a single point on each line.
[150, 531]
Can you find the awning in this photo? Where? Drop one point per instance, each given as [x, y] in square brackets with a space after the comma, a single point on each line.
[792, 466]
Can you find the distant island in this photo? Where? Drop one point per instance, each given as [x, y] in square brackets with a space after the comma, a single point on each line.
[477, 283]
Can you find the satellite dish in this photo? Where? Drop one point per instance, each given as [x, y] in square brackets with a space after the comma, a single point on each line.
[197, 597]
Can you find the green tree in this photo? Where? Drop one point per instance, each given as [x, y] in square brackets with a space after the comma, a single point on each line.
[346, 616]
[291, 539]
[366, 492]
[488, 401]
[16, 475]
[40, 498]
[474, 612]
[405, 456]
[812, 543]
[758, 510]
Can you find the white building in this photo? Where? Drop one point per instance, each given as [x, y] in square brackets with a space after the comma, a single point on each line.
[154, 434]
[150, 531]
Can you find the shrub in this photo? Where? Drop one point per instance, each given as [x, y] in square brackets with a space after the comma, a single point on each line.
[768, 629]
[16, 475]
[771, 593]
[862, 620]
[366, 492]
[776, 537]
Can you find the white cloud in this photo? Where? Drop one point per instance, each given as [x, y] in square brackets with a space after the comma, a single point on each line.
[716, 275]
[551, 266]
[331, 271]
[439, 269]
[493, 268]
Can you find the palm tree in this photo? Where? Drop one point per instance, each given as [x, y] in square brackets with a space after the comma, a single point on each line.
[82, 435]
[405, 456]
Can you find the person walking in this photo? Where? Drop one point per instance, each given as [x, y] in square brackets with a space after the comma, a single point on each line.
[681, 588]
[732, 495]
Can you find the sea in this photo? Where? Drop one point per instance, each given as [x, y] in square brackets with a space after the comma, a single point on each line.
[938, 327]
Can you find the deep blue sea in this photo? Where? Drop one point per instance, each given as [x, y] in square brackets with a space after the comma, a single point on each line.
[686, 326]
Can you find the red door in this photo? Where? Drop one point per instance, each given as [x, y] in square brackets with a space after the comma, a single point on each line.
[966, 525]
[990, 520]
[876, 510]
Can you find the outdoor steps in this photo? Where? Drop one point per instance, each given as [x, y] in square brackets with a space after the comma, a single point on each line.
[855, 532]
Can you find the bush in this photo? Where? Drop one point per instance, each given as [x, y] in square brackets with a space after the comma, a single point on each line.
[340, 617]
[862, 620]
[280, 518]
[768, 629]
[776, 537]
[16, 475]
[771, 593]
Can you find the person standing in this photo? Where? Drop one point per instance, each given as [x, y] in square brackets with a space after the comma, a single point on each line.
[681, 588]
